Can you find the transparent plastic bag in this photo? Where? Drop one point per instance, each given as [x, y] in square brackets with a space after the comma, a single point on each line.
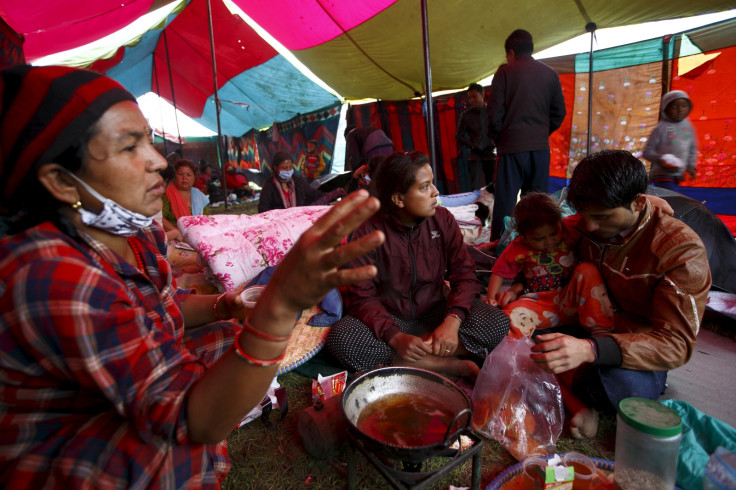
[517, 403]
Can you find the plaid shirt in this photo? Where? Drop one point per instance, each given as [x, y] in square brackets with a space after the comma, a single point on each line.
[94, 371]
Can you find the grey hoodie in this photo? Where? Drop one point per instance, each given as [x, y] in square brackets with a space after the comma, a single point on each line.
[674, 138]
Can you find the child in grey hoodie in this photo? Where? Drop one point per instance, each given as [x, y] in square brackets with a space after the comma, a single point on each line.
[671, 146]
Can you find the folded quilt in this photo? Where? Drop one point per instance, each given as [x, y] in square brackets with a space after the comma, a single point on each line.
[235, 248]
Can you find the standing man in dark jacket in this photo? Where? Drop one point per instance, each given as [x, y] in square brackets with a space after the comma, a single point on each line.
[526, 105]
[472, 133]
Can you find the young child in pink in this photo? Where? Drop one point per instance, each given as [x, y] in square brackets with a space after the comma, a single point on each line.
[550, 288]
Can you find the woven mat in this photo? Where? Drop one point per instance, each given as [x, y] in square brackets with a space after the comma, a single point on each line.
[306, 341]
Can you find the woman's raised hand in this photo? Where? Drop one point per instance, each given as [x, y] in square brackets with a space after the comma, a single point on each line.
[311, 268]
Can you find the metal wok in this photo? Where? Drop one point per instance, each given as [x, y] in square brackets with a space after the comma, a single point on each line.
[375, 386]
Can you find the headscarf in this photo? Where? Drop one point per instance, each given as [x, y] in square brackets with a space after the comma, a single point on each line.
[179, 206]
[44, 111]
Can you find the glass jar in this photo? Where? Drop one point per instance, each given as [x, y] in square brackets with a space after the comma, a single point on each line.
[647, 443]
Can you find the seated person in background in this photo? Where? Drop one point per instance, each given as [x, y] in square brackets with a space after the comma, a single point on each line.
[110, 375]
[656, 272]
[553, 289]
[203, 177]
[236, 182]
[364, 143]
[362, 177]
[285, 189]
[407, 315]
[181, 199]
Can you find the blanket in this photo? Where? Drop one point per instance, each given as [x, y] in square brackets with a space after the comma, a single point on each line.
[236, 248]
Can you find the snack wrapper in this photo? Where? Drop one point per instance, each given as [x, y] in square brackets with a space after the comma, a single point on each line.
[325, 387]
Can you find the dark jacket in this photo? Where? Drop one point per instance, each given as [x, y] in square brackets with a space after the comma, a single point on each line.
[271, 197]
[525, 106]
[363, 143]
[413, 264]
[472, 133]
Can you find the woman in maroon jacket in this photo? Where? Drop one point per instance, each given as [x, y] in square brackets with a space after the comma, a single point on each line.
[422, 308]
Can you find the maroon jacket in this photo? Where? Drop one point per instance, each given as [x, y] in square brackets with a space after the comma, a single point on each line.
[413, 264]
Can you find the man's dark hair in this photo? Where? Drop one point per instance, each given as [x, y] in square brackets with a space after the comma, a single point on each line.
[520, 41]
[607, 179]
[477, 87]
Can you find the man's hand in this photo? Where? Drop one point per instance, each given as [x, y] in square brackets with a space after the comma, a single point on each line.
[558, 353]
[409, 347]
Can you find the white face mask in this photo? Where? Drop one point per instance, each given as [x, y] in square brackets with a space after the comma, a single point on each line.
[113, 218]
[286, 175]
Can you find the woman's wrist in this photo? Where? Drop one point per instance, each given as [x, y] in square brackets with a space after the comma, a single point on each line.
[258, 351]
[218, 308]
[274, 317]
[455, 318]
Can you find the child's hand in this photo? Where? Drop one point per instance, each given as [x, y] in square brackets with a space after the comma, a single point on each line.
[491, 301]
[506, 297]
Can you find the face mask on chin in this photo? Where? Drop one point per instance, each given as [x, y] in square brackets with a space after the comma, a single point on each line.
[113, 218]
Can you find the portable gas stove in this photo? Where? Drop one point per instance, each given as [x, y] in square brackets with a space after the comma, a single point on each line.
[408, 474]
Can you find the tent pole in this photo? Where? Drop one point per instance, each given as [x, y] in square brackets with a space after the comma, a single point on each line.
[590, 27]
[666, 63]
[429, 119]
[217, 99]
[158, 92]
[173, 96]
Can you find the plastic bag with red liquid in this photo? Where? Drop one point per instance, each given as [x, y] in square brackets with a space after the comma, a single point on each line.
[517, 403]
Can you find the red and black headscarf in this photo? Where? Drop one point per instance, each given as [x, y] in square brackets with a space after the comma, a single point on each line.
[43, 112]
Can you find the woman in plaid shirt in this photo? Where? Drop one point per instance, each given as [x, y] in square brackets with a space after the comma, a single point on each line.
[111, 376]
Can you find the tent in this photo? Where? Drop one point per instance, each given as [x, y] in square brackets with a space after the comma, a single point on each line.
[628, 84]
[360, 48]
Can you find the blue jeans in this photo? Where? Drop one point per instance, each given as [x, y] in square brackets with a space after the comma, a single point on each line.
[670, 185]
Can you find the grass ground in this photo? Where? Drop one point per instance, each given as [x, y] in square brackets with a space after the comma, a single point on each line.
[275, 458]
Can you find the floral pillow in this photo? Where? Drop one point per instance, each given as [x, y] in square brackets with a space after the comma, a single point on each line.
[235, 248]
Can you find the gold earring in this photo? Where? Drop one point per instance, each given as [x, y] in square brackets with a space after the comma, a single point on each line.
[77, 205]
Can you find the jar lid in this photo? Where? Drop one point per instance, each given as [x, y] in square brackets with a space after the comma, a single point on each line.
[650, 417]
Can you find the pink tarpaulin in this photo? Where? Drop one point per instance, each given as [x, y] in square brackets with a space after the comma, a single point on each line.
[302, 24]
[51, 26]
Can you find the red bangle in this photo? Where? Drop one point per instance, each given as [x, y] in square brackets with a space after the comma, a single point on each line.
[252, 360]
[217, 302]
[247, 327]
